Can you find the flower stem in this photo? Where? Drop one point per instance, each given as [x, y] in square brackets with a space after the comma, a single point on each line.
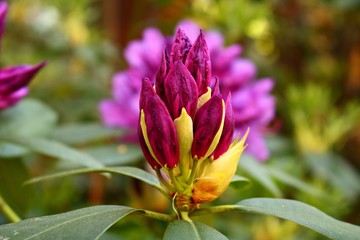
[164, 182]
[175, 182]
[8, 211]
[193, 171]
[185, 216]
[212, 210]
[159, 216]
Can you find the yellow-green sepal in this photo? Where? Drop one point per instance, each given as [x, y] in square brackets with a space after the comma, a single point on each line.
[184, 130]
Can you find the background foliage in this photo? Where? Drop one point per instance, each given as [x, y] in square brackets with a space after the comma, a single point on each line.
[311, 50]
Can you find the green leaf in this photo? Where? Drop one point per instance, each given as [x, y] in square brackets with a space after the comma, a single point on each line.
[53, 149]
[28, 118]
[134, 172]
[296, 183]
[302, 214]
[191, 230]
[259, 173]
[84, 133]
[86, 223]
[116, 155]
[238, 182]
[13, 173]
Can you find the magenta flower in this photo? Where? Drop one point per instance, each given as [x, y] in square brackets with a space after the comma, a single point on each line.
[14, 80]
[252, 103]
[185, 128]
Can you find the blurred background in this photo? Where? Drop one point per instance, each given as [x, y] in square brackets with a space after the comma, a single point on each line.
[311, 49]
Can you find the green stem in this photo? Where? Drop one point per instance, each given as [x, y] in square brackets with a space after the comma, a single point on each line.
[164, 182]
[212, 210]
[185, 216]
[159, 216]
[8, 212]
[175, 182]
[193, 171]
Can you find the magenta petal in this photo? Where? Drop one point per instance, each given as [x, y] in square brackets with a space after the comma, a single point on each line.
[180, 47]
[160, 127]
[13, 98]
[16, 77]
[199, 64]
[215, 89]
[161, 75]
[145, 54]
[118, 114]
[181, 90]
[207, 122]
[228, 130]
[3, 11]
[149, 158]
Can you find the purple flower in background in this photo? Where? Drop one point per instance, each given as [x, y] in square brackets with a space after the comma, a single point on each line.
[252, 103]
[14, 79]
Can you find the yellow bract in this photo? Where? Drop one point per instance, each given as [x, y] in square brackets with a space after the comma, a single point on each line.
[204, 98]
[184, 130]
[217, 175]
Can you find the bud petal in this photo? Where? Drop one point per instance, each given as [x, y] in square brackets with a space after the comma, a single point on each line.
[144, 146]
[157, 127]
[215, 89]
[181, 90]
[208, 125]
[228, 130]
[216, 177]
[180, 47]
[16, 77]
[198, 63]
[161, 75]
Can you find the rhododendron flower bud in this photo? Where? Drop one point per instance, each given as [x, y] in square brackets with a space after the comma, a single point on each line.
[157, 128]
[185, 127]
[14, 79]
[206, 60]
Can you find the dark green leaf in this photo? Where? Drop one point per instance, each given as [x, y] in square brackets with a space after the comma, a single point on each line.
[179, 230]
[53, 149]
[302, 214]
[86, 223]
[259, 173]
[116, 155]
[28, 118]
[84, 133]
[238, 182]
[127, 171]
[12, 175]
[296, 183]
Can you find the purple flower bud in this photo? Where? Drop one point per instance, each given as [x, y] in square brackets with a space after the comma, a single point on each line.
[198, 63]
[153, 163]
[13, 82]
[159, 128]
[227, 132]
[207, 123]
[180, 47]
[215, 90]
[181, 90]
[161, 75]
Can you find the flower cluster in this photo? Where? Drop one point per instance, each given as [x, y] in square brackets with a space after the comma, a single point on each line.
[253, 105]
[14, 79]
[186, 128]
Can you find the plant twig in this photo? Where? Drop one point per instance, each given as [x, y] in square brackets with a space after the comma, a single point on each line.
[8, 211]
